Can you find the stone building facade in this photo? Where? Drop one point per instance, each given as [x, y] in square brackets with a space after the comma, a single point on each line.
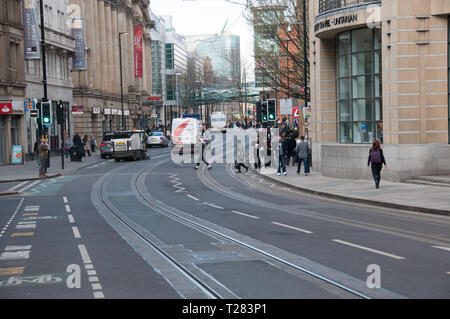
[97, 90]
[12, 79]
[380, 70]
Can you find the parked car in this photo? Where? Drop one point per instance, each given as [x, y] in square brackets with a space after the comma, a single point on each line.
[157, 138]
[129, 145]
[105, 145]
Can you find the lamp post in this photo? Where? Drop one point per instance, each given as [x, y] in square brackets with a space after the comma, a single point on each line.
[124, 127]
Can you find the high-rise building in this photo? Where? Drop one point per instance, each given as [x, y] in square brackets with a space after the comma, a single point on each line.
[380, 70]
[225, 54]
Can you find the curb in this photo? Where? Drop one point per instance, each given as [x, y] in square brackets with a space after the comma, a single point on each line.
[29, 179]
[61, 172]
[362, 201]
[8, 193]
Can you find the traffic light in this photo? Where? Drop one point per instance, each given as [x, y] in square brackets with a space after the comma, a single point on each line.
[46, 113]
[271, 109]
[264, 111]
[258, 112]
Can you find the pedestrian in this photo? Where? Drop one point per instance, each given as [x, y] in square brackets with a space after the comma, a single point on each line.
[281, 156]
[302, 150]
[376, 161]
[93, 143]
[289, 148]
[203, 156]
[43, 156]
[67, 146]
[86, 146]
[78, 144]
[257, 159]
[239, 162]
[36, 151]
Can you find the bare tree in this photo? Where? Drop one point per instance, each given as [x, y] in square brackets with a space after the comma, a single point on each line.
[279, 40]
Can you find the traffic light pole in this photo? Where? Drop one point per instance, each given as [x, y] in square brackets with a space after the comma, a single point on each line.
[43, 57]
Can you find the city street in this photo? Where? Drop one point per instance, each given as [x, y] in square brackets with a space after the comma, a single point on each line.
[159, 230]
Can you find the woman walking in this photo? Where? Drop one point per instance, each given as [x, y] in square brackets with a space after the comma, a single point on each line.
[376, 161]
[87, 148]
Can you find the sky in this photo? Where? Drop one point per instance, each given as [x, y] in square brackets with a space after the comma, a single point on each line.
[210, 16]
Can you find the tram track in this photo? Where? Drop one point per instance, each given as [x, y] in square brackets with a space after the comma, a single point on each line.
[351, 288]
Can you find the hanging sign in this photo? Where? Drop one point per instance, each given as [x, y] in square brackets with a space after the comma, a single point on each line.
[138, 33]
[79, 58]
[31, 30]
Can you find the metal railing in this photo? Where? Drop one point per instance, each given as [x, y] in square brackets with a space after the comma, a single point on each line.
[329, 5]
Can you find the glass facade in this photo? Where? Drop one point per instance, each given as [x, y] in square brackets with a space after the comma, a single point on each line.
[171, 87]
[170, 56]
[359, 91]
[157, 68]
[448, 79]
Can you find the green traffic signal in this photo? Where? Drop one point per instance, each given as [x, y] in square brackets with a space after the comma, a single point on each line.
[46, 120]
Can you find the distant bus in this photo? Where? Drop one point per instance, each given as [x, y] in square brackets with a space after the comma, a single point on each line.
[191, 116]
[218, 121]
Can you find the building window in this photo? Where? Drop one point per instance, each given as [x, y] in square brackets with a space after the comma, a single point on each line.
[171, 87]
[169, 57]
[359, 92]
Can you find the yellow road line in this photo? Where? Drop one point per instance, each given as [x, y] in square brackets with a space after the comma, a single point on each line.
[30, 214]
[11, 271]
[22, 234]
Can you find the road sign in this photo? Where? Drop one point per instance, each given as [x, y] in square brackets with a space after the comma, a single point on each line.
[34, 113]
[295, 112]
[285, 106]
[29, 105]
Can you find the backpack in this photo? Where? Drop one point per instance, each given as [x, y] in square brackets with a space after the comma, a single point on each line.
[375, 156]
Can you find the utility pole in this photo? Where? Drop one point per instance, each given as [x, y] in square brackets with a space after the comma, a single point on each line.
[124, 127]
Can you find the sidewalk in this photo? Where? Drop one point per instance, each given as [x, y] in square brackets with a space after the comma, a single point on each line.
[412, 197]
[30, 170]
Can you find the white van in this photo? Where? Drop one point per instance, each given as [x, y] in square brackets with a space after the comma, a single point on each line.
[129, 145]
[186, 133]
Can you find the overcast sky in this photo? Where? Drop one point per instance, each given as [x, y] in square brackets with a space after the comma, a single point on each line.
[210, 16]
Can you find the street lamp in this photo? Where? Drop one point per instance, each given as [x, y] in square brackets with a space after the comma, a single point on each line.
[177, 88]
[124, 126]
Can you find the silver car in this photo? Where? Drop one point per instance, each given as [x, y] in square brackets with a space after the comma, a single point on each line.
[157, 139]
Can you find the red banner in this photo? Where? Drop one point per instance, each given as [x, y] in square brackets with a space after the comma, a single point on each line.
[138, 33]
[6, 108]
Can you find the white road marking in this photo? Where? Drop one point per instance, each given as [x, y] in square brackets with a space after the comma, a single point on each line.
[31, 208]
[93, 279]
[26, 226]
[8, 248]
[96, 286]
[76, 233]
[215, 206]
[292, 227]
[13, 255]
[442, 247]
[89, 266]
[368, 249]
[71, 220]
[17, 186]
[190, 196]
[251, 216]
[84, 254]
[92, 273]
[29, 186]
[98, 295]
[65, 200]
[68, 209]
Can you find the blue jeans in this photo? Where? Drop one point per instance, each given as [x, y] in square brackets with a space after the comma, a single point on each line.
[299, 165]
[281, 164]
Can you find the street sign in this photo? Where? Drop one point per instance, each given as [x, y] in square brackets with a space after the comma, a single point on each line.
[285, 106]
[6, 107]
[34, 113]
[295, 112]
[29, 105]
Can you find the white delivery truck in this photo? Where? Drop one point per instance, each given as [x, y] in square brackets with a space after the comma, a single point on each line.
[186, 133]
[218, 121]
[129, 145]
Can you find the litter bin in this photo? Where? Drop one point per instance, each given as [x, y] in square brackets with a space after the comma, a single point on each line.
[75, 156]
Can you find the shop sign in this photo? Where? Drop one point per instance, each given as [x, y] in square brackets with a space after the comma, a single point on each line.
[77, 110]
[6, 107]
[107, 111]
[328, 23]
[114, 111]
[16, 154]
[95, 110]
[126, 112]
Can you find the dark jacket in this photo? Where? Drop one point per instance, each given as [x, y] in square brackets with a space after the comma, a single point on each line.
[383, 161]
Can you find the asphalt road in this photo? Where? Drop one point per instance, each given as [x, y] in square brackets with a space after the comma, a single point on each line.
[155, 229]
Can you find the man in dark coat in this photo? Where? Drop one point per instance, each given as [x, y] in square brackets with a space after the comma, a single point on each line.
[78, 145]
